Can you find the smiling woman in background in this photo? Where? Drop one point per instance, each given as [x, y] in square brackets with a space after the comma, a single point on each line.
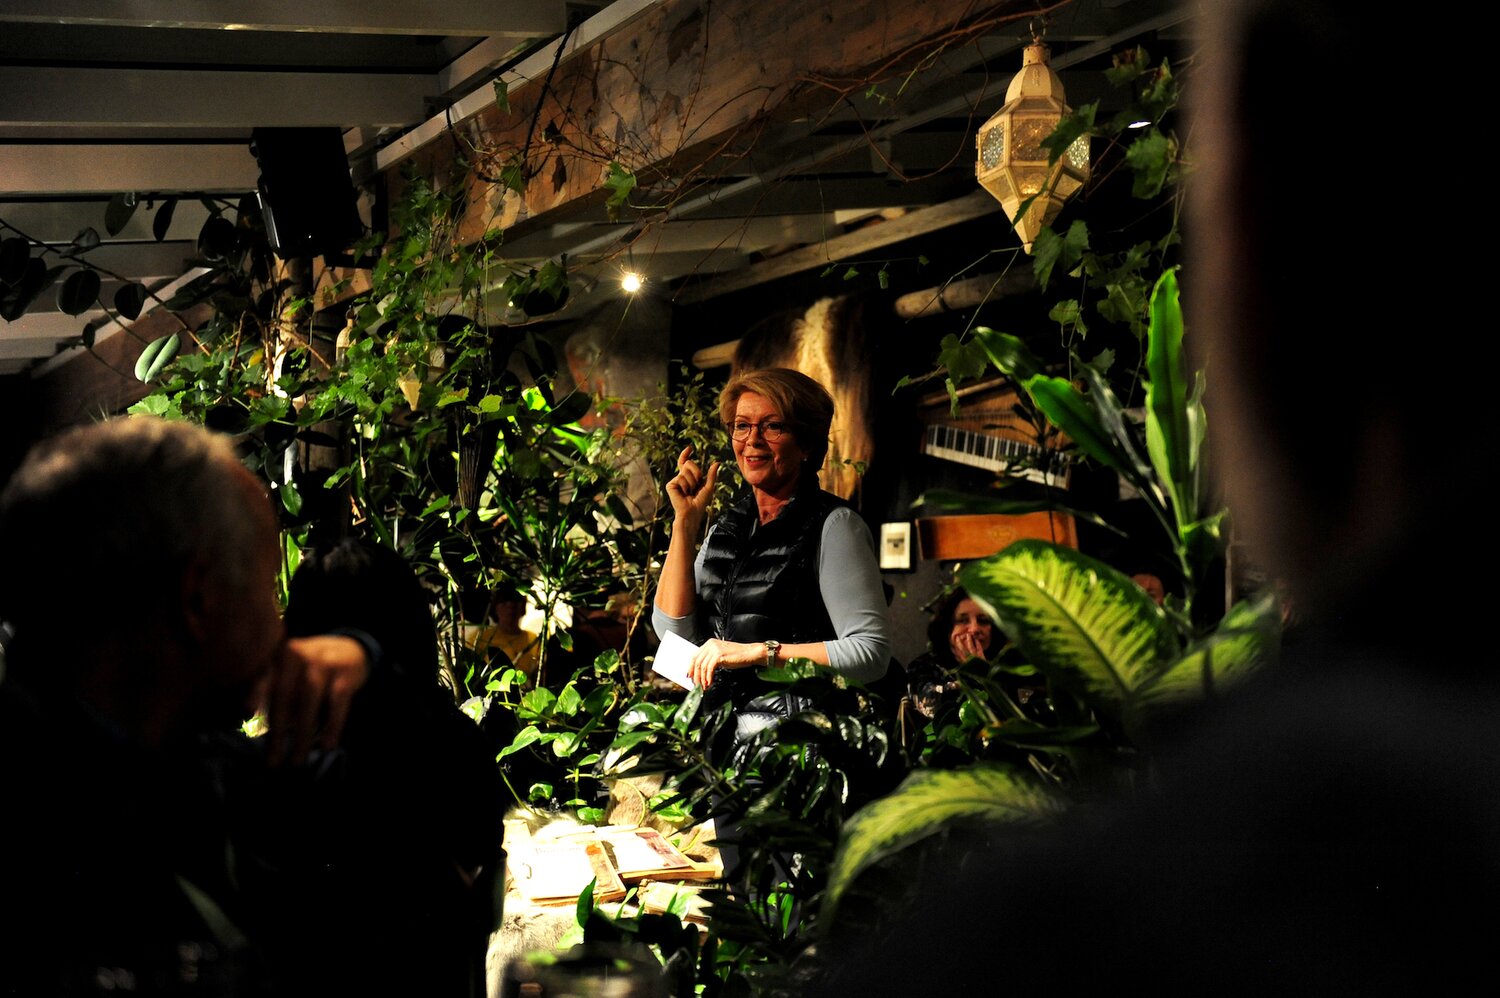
[788, 570]
[960, 631]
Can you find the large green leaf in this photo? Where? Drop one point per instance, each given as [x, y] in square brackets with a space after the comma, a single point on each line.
[1112, 415]
[1170, 439]
[1245, 640]
[1008, 353]
[1074, 414]
[930, 800]
[1088, 628]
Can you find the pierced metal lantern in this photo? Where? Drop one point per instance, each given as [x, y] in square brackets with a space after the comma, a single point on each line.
[1012, 160]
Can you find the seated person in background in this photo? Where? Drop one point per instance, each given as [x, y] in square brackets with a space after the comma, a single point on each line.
[113, 711]
[506, 637]
[406, 816]
[1151, 582]
[959, 631]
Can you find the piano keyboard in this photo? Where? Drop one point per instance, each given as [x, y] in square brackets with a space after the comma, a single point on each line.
[992, 453]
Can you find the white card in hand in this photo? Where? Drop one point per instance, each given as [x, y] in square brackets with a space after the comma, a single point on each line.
[672, 659]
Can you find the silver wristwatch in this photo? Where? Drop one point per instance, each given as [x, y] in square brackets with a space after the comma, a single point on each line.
[772, 647]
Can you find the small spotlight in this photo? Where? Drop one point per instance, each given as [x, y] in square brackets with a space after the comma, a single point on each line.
[631, 282]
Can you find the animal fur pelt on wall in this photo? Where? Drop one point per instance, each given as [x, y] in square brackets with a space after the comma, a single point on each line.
[827, 343]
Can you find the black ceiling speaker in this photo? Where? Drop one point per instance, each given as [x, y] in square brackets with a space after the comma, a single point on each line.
[307, 198]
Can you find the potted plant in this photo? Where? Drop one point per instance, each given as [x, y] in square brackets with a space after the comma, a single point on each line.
[1114, 660]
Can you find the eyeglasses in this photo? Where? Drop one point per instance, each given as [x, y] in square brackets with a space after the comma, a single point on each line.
[771, 430]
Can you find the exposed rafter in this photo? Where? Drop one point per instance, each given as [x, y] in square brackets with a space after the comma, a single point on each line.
[515, 18]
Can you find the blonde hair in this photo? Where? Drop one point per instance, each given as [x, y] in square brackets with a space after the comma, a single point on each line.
[800, 400]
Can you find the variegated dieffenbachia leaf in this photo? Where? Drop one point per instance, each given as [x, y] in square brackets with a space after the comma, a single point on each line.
[1245, 640]
[1090, 629]
[930, 800]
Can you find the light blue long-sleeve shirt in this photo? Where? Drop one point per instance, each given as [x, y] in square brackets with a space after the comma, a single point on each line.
[849, 579]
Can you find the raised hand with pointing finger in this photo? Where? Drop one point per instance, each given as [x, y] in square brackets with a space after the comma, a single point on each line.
[691, 491]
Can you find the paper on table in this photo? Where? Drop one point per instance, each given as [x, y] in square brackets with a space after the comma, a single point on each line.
[672, 659]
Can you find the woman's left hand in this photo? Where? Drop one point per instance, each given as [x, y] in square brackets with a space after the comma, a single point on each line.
[716, 654]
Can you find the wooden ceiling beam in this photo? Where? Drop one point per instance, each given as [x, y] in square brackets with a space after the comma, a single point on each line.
[517, 18]
[848, 246]
[683, 83]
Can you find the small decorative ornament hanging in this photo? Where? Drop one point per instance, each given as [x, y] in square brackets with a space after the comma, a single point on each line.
[1012, 161]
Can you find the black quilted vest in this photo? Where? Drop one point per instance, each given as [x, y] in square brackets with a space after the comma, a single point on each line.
[761, 582]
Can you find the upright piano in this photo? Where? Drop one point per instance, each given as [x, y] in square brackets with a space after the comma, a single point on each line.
[990, 432]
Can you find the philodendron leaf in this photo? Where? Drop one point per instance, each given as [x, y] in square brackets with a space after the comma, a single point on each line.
[87, 239]
[1090, 629]
[117, 215]
[524, 737]
[161, 222]
[1169, 436]
[130, 299]
[1246, 639]
[930, 800]
[15, 254]
[79, 292]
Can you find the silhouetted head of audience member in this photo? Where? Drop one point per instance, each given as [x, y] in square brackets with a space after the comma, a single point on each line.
[1343, 473]
[366, 586]
[173, 543]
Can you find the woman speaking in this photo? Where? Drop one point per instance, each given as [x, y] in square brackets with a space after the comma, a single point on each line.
[788, 570]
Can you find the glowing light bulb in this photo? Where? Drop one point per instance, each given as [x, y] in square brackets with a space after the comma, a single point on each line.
[631, 282]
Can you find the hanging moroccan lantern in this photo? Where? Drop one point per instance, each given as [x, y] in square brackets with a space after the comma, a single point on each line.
[1012, 160]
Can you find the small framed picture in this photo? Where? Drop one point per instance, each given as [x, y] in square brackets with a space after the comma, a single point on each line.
[895, 547]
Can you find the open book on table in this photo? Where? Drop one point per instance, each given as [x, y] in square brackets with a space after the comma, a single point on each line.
[554, 868]
[644, 854]
[558, 871]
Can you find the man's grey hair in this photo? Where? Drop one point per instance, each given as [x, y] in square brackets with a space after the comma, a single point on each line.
[99, 523]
